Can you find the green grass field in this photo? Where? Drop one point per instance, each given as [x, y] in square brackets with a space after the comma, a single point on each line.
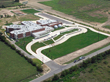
[30, 11]
[84, 9]
[73, 44]
[23, 42]
[13, 67]
[36, 46]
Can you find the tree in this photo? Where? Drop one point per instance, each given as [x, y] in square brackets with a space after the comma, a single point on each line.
[16, 0]
[55, 78]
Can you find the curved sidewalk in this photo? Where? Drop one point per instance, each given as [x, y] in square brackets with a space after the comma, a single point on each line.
[41, 56]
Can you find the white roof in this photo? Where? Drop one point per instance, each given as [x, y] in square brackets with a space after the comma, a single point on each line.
[46, 21]
[15, 26]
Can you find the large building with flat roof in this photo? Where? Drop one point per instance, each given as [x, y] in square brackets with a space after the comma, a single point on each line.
[28, 28]
[49, 22]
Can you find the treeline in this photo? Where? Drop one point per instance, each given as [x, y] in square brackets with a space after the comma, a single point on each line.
[5, 4]
[3, 39]
[75, 70]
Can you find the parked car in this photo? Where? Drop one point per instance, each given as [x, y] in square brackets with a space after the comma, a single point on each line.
[82, 57]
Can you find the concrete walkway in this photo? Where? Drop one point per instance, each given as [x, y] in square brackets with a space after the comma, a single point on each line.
[38, 53]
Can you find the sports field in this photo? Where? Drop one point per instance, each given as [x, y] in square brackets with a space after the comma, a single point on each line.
[13, 67]
[90, 10]
[73, 44]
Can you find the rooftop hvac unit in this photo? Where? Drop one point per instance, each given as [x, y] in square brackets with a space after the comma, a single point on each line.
[55, 26]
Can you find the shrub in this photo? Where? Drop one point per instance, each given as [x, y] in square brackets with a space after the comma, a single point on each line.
[13, 47]
[105, 62]
[56, 77]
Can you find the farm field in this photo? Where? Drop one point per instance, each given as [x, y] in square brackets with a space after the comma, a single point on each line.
[73, 44]
[9, 3]
[87, 10]
[13, 67]
[30, 11]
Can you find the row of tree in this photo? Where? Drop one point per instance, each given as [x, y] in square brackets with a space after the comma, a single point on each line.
[95, 59]
[3, 39]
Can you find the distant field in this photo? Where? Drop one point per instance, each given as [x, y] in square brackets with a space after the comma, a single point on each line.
[107, 26]
[90, 10]
[73, 44]
[13, 67]
[8, 3]
[30, 11]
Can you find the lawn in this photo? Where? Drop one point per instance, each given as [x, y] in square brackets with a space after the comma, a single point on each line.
[65, 33]
[23, 42]
[13, 67]
[73, 44]
[89, 10]
[30, 11]
[37, 45]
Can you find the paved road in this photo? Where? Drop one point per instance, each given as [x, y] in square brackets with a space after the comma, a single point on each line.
[55, 18]
[57, 68]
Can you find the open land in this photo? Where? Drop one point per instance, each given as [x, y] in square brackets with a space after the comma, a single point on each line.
[13, 67]
[73, 44]
[9, 3]
[93, 11]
